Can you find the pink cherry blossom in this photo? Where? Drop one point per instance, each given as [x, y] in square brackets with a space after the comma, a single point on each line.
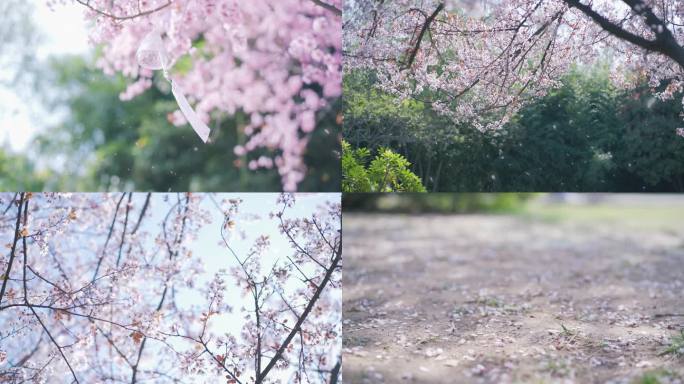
[277, 61]
[485, 60]
[118, 288]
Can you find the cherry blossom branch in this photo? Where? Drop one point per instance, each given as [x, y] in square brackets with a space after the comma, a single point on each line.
[419, 39]
[9, 205]
[219, 361]
[286, 230]
[59, 348]
[254, 285]
[24, 248]
[329, 7]
[86, 3]
[664, 43]
[257, 312]
[320, 232]
[178, 241]
[113, 326]
[123, 231]
[142, 213]
[111, 342]
[67, 310]
[109, 236]
[6, 276]
[254, 288]
[30, 353]
[279, 353]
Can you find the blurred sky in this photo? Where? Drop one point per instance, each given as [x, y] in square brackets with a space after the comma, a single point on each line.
[63, 31]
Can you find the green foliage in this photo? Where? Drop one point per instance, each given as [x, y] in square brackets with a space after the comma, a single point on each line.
[17, 173]
[583, 136]
[378, 117]
[648, 378]
[429, 141]
[562, 142]
[676, 347]
[108, 144]
[648, 146]
[354, 174]
[387, 172]
[657, 376]
[437, 202]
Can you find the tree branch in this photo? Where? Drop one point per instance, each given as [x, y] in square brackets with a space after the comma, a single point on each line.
[336, 372]
[142, 213]
[329, 7]
[86, 3]
[109, 236]
[178, 241]
[14, 247]
[302, 318]
[419, 39]
[59, 348]
[664, 43]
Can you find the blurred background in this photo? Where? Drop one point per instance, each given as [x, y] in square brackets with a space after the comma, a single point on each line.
[664, 211]
[63, 126]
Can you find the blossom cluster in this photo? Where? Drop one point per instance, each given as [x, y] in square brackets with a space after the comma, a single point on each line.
[480, 62]
[279, 62]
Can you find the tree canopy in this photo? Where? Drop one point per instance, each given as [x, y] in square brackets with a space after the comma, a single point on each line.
[481, 62]
[278, 64]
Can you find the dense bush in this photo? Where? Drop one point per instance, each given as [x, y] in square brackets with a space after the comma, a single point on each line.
[583, 136]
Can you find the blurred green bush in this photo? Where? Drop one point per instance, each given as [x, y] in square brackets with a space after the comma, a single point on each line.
[436, 202]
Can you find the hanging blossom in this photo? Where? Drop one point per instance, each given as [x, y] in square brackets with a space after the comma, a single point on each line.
[481, 62]
[279, 62]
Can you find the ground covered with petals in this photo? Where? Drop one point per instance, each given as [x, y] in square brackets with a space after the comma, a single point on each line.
[520, 298]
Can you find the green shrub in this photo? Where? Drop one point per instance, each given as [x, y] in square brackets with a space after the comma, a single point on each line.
[387, 172]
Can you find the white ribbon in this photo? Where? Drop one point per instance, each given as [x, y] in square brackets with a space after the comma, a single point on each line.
[152, 55]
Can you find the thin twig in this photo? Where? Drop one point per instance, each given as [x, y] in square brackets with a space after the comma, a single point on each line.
[123, 17]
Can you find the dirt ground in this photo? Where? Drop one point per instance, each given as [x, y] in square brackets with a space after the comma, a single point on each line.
[510, 299]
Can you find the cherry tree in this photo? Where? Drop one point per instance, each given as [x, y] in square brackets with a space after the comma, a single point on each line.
[279, 62]
[125, 288]
[481, 61]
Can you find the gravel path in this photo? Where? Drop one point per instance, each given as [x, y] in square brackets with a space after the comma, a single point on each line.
[508, 299]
